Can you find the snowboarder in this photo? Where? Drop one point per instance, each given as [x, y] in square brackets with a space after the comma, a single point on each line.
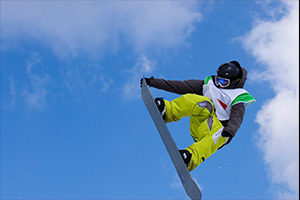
[215, 105]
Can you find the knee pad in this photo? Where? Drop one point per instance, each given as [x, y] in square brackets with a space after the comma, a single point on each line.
[205, 104]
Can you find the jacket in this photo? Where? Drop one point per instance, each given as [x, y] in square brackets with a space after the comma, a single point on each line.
[232, 125]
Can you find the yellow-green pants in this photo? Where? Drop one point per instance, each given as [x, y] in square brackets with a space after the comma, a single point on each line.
[205, 127]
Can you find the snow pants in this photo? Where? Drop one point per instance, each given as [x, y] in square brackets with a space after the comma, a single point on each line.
[205, 127]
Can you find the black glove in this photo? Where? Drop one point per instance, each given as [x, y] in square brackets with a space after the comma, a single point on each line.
[228, 135]
[148, 80]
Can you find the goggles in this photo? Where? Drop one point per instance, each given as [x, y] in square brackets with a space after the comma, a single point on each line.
[222, 82]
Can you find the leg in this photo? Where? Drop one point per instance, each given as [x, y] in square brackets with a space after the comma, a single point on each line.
[186, 105]
[208, 144]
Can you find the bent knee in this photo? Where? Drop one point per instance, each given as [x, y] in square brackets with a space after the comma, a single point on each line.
[207, 105]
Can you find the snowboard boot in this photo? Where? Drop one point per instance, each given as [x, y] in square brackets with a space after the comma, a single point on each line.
[160, 103]
[186, 156]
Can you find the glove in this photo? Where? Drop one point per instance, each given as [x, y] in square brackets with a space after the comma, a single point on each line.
[148, 80]
[226, 134]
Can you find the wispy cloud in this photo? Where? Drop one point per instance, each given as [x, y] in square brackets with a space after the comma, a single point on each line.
[106, 82]
[65, 27]
[79, 28]
[39, 85]
[71, 28]
[85, 79]
[35, 91]
[275, 44]
[142, 67]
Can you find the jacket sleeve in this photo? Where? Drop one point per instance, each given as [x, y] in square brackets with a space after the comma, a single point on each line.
[179, 87]
[236, 119]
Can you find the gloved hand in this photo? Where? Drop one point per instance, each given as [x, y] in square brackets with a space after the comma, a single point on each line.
[228, 135]
[148, 80]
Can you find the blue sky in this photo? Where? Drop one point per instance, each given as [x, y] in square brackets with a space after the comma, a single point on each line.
[73, 125]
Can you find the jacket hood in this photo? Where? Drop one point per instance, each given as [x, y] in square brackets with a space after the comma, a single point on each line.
[239, 83]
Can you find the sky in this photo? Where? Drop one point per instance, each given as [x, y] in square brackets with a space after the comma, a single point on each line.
[73, 124]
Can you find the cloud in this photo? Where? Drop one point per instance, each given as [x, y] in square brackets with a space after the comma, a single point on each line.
[131, 89]
[71, 28]
[106, 82]
[275, 44]
[39, 86]
[97, 28]
[35, 92]
[85, 79]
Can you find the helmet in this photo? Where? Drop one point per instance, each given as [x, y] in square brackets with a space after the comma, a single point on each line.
[231, 70]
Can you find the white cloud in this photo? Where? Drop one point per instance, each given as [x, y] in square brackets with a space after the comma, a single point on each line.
[35, 92]
[98, 28]
[131, 88]
[106, 82]
[95, 27]
[84, 79]
[275, 44]
[38, 86]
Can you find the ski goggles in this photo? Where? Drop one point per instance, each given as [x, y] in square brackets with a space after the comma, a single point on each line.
[222, 82]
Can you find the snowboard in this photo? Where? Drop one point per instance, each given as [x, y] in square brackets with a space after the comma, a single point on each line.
[190, 186]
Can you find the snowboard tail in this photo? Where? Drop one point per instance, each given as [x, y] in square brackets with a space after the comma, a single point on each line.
[190, 186]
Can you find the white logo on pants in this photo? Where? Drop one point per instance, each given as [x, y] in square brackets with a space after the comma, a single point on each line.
[217, 135]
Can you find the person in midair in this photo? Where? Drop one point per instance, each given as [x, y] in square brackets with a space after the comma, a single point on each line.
[215, 105]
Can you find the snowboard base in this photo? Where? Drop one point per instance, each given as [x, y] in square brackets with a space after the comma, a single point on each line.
[190, 186]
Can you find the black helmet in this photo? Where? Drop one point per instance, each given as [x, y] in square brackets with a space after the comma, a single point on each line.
[231, 70]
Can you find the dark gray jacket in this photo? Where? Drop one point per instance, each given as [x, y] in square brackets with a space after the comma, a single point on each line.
[196, 87]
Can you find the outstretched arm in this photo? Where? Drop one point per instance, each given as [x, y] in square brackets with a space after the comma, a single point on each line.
[179, 87]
